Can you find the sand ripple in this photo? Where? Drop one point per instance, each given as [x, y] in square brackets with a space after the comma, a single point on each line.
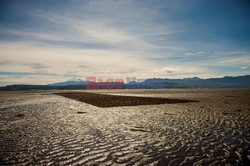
[52, 130]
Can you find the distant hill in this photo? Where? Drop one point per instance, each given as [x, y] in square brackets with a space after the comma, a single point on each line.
[225, 82]
[41, 87]
[152, 83]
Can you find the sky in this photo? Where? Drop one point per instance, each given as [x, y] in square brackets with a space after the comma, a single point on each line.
[47, 41]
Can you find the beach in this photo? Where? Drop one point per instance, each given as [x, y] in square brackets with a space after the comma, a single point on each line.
[46, 128]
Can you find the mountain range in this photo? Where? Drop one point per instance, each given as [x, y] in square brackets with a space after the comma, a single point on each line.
[152, 83]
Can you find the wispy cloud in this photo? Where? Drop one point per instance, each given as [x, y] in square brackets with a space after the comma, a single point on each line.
[25, 74]
[245, 60]
[243, 67]
[196, 53]
[116, 38]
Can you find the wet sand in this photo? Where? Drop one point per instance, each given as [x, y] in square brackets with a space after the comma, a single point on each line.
[40, 128]
[105, 100]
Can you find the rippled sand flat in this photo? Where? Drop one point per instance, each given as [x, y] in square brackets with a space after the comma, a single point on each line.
[40, 128]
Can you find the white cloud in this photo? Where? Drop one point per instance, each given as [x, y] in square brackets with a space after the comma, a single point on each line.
[175, 71]
[169, 70]
[243, 67]
[195, 53]
[63, 60]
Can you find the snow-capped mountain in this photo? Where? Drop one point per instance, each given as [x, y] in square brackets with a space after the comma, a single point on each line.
[73, 81]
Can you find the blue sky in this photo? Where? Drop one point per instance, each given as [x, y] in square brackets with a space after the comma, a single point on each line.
[46, 41]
